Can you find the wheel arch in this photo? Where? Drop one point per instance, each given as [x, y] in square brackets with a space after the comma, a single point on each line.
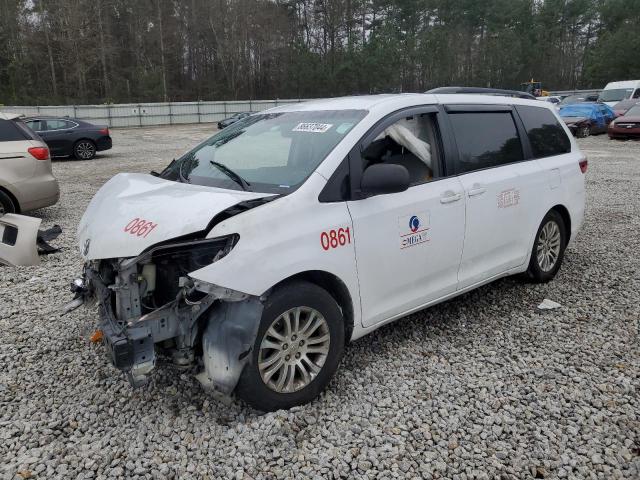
[566, 218]
[335, 287]
[81, 139]
[13, 198]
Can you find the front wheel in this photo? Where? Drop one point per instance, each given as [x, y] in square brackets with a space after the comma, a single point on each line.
[297, 350]
[548, 248]
[84, 150]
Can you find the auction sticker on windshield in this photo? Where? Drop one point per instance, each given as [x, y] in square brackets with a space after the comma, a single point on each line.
[313, 127]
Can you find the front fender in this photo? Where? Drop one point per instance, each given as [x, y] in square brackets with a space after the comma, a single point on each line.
[283, 238]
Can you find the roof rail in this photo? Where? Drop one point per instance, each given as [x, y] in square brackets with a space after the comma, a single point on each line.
[483, 91]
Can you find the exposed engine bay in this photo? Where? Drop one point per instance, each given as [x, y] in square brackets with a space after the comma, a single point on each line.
[148, 305]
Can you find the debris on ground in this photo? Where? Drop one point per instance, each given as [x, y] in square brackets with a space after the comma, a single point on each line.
[44, 237]
[548, 305]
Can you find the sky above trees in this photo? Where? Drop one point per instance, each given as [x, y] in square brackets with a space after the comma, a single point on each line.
[88, 51]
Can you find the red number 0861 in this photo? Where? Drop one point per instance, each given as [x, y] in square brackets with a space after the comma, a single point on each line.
[335, 238]
[140, 227]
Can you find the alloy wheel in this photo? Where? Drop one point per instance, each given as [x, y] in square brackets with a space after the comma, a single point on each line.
[85, 150]
[548, 246]
[294, 349]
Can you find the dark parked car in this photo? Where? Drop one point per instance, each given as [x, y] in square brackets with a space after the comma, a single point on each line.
[626, 126]
[71, 137]
[570, 99]
[584, 119]
[233, 119]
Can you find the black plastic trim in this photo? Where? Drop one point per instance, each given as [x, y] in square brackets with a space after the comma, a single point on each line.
[337, 188]
[482, 91]
[477, 107]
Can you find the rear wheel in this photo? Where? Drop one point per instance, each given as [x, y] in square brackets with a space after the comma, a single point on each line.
[584, 131]
[6, 204]
[297, 350]
[548, 249]
[84, 150]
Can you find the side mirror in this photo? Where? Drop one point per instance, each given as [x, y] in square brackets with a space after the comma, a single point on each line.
[382, 178]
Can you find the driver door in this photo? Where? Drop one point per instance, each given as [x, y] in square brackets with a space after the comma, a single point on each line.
[408, 245]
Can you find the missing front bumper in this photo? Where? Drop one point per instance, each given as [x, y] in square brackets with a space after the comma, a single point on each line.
[213, 334]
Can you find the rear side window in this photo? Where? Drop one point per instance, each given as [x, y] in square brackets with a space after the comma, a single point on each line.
[9, 132]
[485, 140]
[546, 136]
[58, 124]
[37, 125]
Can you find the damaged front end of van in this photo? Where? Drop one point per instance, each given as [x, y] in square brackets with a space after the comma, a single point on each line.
[137, 272]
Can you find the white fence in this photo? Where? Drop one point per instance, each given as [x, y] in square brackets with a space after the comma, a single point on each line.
[141, 114]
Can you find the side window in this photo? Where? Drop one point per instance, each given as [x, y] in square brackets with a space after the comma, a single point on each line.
[37, 125]
[410, 142]
[9, 132]
[546, 136]
[58, 124]
[485, 140]
[637, 93]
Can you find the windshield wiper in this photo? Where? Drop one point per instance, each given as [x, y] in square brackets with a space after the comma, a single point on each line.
[231, 174]
[228, 138]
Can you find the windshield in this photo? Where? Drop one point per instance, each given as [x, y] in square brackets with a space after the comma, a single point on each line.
[615, 94]
[576, 111]
[271, 152]
[572, 99]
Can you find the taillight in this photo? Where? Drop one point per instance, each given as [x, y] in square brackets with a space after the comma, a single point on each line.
[104, 131]
[39, 153]
[583, 165]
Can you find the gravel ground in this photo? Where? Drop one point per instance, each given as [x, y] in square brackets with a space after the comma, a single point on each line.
[483, 386]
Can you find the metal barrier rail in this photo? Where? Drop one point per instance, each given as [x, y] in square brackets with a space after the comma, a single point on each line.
[574, 92]
[143, 114]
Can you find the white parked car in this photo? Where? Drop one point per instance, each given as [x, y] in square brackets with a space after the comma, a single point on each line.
[255, 257]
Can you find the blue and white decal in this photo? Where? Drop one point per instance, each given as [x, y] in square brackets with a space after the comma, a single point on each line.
[413, 229]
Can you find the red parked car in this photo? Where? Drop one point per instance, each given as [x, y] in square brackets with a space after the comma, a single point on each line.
[626, 126]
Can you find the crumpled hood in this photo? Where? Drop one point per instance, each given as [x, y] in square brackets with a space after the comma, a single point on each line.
[133, 211]
[570, 120]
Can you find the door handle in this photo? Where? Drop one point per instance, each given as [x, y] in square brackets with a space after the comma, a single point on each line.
[476, 189]
[450, 196]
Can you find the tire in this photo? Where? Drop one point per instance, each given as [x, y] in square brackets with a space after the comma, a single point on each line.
[6, 204]
[84, 149]
[583, 132]
[259, 387]
[551, 235]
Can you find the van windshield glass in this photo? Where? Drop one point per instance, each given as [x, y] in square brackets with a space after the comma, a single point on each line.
[615, 95]
[270, 152]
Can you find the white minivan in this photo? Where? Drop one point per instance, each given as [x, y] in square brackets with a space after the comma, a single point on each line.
[255, 257]
[615, 92]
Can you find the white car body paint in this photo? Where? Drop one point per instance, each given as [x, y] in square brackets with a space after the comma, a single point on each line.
[176, 208]
[470, 241]
[393, 277]
[18, 240]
